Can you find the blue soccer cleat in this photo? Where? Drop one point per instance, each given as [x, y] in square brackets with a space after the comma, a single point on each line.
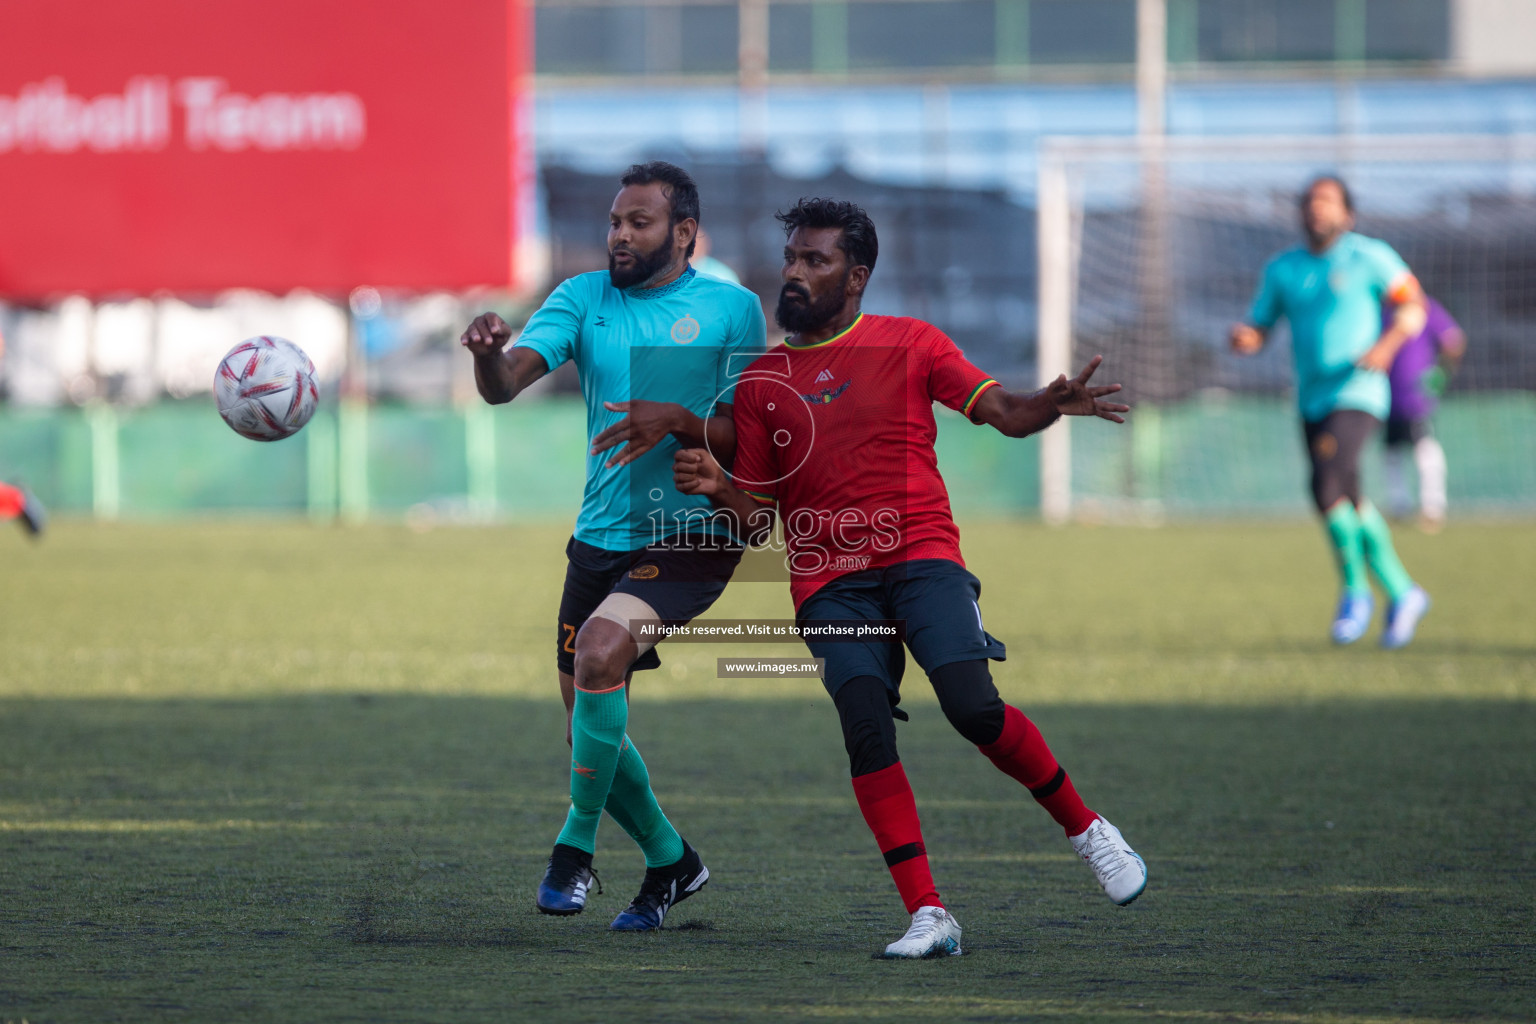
[1403, 618]
[566, 881]
[1353, 617]
[663, 889]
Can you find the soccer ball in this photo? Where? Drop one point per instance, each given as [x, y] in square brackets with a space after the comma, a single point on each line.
[266, 388]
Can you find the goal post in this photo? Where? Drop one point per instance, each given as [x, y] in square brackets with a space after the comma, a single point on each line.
[1054, 345]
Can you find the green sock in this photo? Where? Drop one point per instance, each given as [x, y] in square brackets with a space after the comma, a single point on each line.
[597, 730]
[616, 808]
[1348, 546]
[1381, 555]
[633, 805]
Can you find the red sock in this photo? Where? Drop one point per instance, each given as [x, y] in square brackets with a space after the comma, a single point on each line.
[1021, 752]
[889, 808]
[11, 501]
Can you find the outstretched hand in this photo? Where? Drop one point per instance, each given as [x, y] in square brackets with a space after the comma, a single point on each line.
[644, 427]
[1075, 398]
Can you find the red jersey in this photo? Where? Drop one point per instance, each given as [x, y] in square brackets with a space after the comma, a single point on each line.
[840, 436]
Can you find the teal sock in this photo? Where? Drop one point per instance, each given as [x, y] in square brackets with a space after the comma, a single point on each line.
[633, 805]
[597, 730]
[617, 809]
[1381, 555]
[1345, 531]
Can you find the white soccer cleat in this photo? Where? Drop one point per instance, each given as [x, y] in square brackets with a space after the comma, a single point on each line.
[1119, 869]
[934, 932]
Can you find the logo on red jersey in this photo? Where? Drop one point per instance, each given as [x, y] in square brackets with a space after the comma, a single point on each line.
[826, 395]
[823, 375]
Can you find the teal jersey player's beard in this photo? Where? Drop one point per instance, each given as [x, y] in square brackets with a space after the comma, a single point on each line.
[646, 268]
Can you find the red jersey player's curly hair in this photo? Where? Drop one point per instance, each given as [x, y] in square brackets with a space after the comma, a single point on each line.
[858, 240]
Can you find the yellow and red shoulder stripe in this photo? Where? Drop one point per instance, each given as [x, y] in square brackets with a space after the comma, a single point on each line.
[760, 497]
[970, 403]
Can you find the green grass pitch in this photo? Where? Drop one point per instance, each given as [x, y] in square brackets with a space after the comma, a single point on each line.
[275, 772]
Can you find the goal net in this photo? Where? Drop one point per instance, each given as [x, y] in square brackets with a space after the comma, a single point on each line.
[1149, 252]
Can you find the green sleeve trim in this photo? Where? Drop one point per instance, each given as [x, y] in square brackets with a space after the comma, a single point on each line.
[970, 403]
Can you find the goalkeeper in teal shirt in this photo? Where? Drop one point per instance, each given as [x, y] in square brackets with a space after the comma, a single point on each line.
[1332, 292]
[658, 348]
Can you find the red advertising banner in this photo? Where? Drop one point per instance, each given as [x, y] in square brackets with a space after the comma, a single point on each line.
[192, 146]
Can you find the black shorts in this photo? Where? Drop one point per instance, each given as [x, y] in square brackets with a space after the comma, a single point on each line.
[1405, 431]
[1334, 444]
[679, 580]
[934, 598]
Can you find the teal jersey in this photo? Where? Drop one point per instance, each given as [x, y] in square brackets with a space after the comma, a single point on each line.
[685, 342]
[1333, 303]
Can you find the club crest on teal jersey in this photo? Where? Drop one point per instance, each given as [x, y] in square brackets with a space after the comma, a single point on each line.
[685, 330]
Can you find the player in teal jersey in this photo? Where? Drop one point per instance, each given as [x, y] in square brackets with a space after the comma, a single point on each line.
[657, 347]
[1332, 291]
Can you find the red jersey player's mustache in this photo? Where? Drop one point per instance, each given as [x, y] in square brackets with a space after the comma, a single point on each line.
[795, 289]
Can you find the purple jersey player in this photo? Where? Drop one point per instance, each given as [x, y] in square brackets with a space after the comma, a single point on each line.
[1418, 377]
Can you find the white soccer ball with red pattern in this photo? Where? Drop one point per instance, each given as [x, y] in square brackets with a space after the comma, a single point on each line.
[266, 388]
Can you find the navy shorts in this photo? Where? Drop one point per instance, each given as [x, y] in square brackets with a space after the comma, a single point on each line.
[936, 600]
[680, 580]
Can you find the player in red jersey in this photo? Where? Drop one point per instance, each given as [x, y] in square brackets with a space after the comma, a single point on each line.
[22, 505]
[835, 431]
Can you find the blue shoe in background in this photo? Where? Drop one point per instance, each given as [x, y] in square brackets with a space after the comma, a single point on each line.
[1353, 617]
[1403, 617]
